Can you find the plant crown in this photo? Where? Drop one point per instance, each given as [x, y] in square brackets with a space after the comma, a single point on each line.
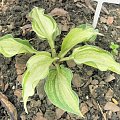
[58, 78]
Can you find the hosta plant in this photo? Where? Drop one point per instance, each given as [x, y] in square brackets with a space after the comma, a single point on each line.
[58, 78]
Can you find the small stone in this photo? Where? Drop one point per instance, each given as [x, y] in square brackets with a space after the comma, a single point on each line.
[103, 20]
[71, 63]
[11, 26]
[76, 80]
[87, 97]
[13, 87]
[94, 82]
[111, 106]
[59, 113]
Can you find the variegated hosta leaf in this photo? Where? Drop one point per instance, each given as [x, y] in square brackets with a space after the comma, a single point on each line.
[44, 25]
[59, 91]
[10, 46]
[77, 35]
[37, 69]
[96, 57]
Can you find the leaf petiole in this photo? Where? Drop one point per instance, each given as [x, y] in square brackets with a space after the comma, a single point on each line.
[66, 58]
[52, 46]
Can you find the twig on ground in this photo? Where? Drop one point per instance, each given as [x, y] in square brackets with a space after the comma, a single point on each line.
[101, 111]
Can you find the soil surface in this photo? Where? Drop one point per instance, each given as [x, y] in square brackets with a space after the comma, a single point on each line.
[99, 92]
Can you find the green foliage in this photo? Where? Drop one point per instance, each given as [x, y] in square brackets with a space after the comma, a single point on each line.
[59, 91]
[44, 26]
[58, 79]
[10, 46]
[114, 48]
[77, 35]
[95, 57]
[37, 69]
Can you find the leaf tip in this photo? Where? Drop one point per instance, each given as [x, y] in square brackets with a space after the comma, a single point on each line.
[25, 104]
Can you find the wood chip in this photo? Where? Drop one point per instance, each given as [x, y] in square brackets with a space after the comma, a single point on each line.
[18, 93]
[88, 3]
[110, 78]
[109, 95]
[76, 80]
[58, 12]
[19, 78]
[9, 107]
[6, 86]
[84, 108]
[40, 89]
[110, 20]
[39, 116]
[112, 107]
[59, 113]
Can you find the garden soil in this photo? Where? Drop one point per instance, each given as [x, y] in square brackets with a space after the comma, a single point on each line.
[99, 92]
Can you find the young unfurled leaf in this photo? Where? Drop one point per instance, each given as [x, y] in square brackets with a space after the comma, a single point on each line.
[10, 46]
[77, 35]
[43, 25]
[96, 57]
[59, 91]
[37, 69]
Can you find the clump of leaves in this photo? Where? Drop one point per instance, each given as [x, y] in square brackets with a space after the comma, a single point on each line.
[58, 79]
[114, 48]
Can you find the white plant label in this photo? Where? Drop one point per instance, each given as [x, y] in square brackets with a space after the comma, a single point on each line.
[98, 9]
